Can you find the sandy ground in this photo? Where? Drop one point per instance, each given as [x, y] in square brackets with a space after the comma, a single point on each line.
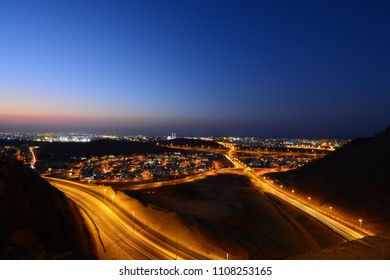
[226, 214]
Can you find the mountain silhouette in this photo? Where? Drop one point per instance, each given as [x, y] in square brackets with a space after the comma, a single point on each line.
[355, 179]
[37, 220]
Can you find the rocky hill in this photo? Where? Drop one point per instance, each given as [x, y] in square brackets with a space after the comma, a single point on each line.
[354, 178]
[36, 220]
[194, 143]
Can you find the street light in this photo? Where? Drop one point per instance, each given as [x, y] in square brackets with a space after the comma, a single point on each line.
[176, 245]
[133, 220]
[227, 256]
[360, 221]
[293, 191]
[309, 198]
[330, 208]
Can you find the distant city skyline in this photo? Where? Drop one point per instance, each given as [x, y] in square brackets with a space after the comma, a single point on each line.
[196, 68]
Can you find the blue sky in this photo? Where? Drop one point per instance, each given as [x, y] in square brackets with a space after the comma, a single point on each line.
[255, 68]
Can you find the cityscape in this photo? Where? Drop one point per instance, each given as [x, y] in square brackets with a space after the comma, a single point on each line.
[255, 152]
[195, 130]
[131, 180]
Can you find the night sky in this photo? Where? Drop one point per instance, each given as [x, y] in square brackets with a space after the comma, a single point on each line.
[241, 68]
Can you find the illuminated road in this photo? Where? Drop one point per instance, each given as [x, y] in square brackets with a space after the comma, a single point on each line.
[281, 153]
[345, 231]
[308, 152]
[33, 157]
[187, 179]
[118, 224]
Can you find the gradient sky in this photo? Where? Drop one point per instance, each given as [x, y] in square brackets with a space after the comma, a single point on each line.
[244, 68]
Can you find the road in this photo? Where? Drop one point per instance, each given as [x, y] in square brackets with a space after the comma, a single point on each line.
[129, 233]
[347, 232]
[343, 230]
[145, 243]
[33, 157]
[309, 152]
[188, 179]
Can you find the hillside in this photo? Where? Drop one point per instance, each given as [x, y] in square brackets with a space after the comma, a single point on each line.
[96, 148]
[38, 221]
[233, 215]
[66, 150]
[368, 248]
[354, 179]
[194, 143]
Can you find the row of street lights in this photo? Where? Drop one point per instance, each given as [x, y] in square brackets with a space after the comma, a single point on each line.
[176, 241]
[133, 212]
[309, 198]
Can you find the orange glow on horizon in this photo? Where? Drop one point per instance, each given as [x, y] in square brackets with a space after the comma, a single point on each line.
[28, 118]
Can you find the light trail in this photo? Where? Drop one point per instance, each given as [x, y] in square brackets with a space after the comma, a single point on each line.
[144, 243]
[343, 230]
[148, 244]
[33, 158]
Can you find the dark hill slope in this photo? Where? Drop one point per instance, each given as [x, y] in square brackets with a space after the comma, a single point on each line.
[96, 148]
[354, 178]
[188, 142]
[369, 248]
[36, 220]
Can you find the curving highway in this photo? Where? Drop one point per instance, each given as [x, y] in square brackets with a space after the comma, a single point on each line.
[119, 224]
[343, 230]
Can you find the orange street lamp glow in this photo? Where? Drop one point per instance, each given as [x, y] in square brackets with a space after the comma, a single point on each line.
[176, 246]
[360, 221]
[133, 220]
[112, 203]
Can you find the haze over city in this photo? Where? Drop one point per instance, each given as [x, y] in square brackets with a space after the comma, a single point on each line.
[244, 68]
